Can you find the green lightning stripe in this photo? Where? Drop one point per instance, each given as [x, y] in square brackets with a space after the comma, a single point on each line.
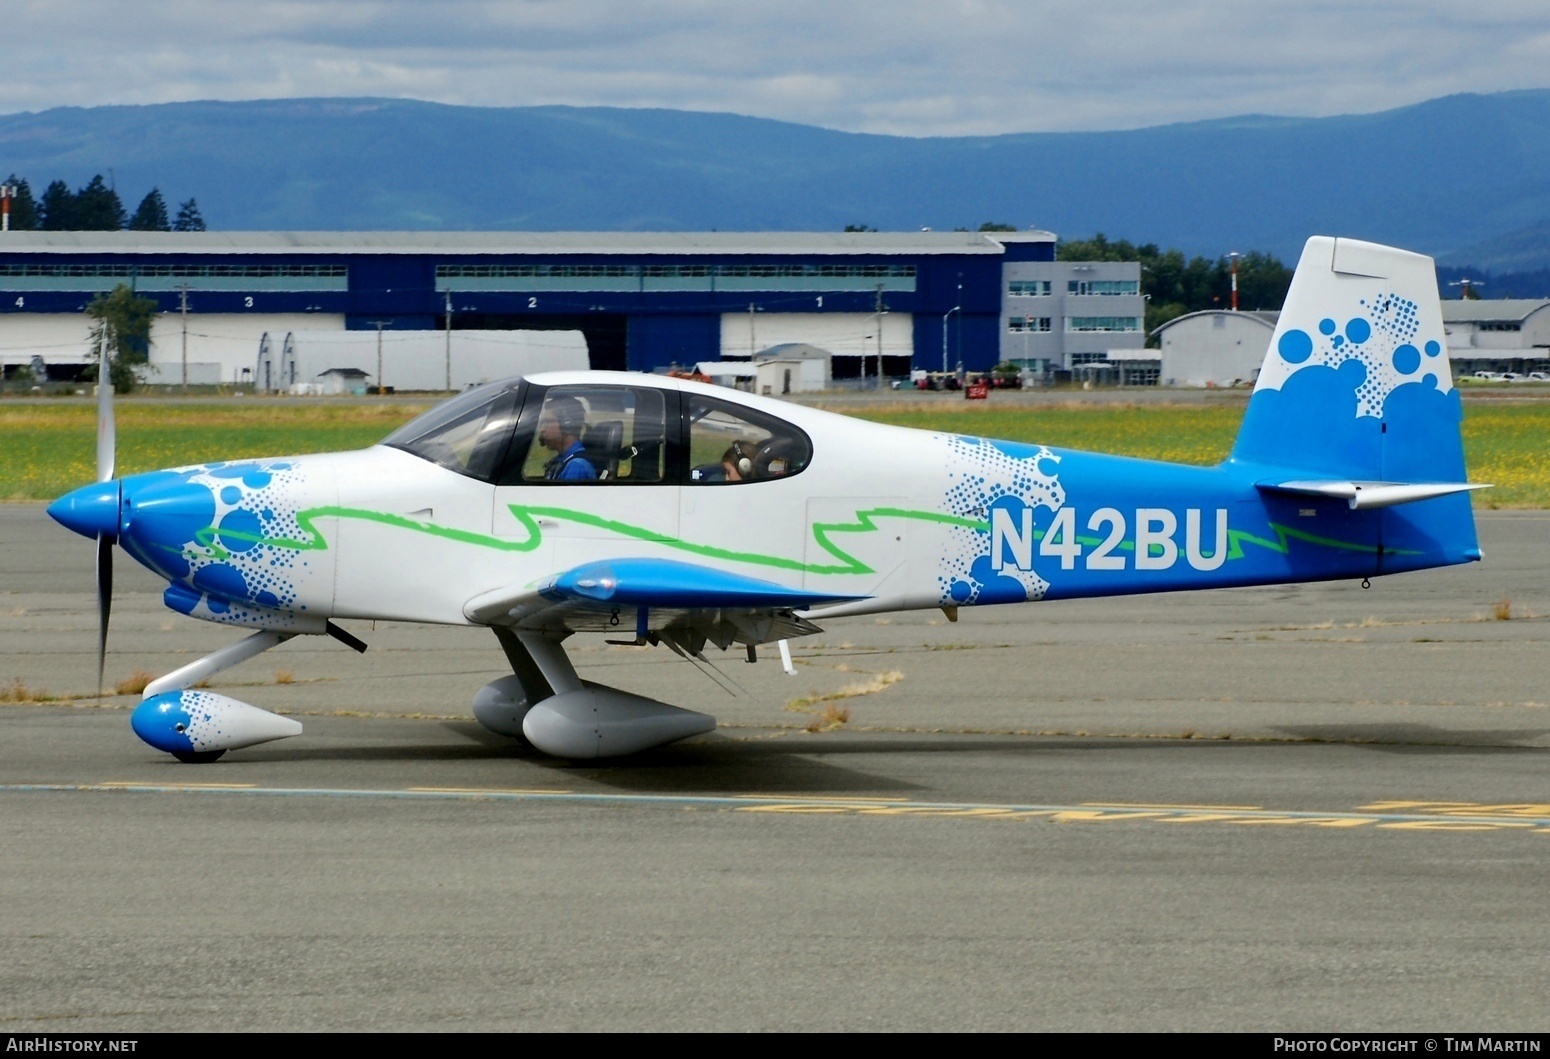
[527, 516]
[863, 522]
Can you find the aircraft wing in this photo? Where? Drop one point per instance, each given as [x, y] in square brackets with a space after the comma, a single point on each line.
[654, 599]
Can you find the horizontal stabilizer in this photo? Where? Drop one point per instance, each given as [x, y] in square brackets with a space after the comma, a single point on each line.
[1365, 495]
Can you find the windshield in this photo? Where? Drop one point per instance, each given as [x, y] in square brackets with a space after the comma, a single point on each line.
[467, 434]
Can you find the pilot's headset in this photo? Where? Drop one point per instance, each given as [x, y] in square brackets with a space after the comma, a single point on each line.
[741, 455]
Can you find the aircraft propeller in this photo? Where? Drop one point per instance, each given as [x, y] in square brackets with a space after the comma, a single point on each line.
[106, 458]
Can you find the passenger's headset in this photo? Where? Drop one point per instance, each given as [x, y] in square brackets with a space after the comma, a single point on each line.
[744, 462]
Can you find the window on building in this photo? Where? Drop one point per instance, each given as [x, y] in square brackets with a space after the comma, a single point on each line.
[1500, 325]
[1103, 286]
[148, 271]
[1078, 359]
[1019, 324]
[1028, 288]
[1103, 323]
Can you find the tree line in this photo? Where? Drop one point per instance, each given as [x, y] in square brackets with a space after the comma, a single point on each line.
[95, 207]
[1174, 285]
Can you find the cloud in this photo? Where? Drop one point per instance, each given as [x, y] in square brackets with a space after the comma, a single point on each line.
[914, 67]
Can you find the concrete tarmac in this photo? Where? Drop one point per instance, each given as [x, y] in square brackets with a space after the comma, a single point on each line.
[1292, 808]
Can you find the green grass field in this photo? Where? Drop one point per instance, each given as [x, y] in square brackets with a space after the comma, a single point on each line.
[48, 449]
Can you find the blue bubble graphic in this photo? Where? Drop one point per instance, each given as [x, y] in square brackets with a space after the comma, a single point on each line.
[256, 480]
[221, 580]
[238, 531]
[267, 599]
[1432, 348]
[1337, 341]
[181, 598]
[1326, 326]
[1406, 359]
[1358, 330]
[231, 495]
[1295, 346]
[960, 591]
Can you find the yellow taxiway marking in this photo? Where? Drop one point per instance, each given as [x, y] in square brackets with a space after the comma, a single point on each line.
[1400, 815]
[487, 790]
[845, 799]
[1533, 809]
[182, 786]
[1172, 805]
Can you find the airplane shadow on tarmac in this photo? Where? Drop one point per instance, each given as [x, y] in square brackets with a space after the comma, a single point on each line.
[798, 762]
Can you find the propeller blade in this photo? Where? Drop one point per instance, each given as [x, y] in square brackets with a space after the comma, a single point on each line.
[106, 441]
[104, 602]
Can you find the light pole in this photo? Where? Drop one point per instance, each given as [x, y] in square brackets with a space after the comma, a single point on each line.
[945, 317]
[958, 324]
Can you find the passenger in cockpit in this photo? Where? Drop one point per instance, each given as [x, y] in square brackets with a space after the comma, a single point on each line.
[738, 461]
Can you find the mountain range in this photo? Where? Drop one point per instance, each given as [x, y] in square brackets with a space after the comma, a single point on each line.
[1465, 178]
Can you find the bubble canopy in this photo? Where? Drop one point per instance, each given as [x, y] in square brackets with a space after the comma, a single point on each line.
[468, 433]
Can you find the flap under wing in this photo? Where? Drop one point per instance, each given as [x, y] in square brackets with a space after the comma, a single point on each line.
[1364, 495]
[646, 596]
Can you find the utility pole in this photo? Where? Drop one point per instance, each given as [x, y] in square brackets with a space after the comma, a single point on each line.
[879, 336]
[752, 345]
[449, 340]
[1233, 258]
[183, 309]
[381, 390]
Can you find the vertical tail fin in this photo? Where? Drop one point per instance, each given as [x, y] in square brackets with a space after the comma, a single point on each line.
[1356, 382]
[1356, 389]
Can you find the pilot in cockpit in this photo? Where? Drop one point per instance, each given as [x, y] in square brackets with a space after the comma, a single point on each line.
[559, 430]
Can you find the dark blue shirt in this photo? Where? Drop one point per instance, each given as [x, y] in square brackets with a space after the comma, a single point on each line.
[571, 465]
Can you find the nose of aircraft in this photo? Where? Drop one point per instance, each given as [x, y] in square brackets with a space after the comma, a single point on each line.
[91, 511]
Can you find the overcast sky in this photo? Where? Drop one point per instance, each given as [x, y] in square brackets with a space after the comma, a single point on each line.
[913, 67]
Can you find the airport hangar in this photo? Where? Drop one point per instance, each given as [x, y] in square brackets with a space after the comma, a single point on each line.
[644, 301]
[1221, 347]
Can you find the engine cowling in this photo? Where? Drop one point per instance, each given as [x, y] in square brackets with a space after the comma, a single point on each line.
[201, 725]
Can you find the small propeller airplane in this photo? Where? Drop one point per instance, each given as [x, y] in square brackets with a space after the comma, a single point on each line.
[661, 511]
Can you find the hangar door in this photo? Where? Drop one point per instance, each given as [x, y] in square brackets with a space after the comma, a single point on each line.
[846, 335]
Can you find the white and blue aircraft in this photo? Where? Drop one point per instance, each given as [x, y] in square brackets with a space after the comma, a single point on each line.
[660, 511]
